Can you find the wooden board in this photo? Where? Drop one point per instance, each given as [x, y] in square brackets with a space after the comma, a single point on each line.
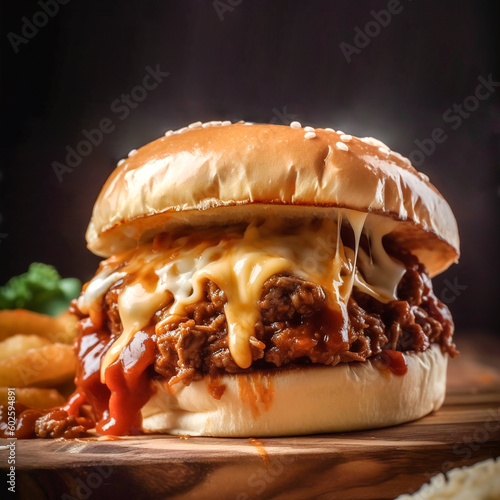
[377, 464]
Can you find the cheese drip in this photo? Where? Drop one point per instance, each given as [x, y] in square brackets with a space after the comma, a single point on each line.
[171, 273]
[242, 274]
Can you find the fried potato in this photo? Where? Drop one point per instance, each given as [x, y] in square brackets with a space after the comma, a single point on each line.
[46, 366]
[33, 397]
[60, 328]
[36, 356]
[68, 328]
[17, 344]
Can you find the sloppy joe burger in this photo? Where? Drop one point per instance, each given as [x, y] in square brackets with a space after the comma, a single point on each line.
[264, 280]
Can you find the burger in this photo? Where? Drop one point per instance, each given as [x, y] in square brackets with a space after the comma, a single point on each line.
[264, 280]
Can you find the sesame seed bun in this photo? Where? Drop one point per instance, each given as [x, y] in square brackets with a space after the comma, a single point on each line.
[207, 175]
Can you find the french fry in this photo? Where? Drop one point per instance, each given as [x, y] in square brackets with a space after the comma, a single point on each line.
[68, 328]
[60, 328]
[47, 366]
[17, 344]
[34, 397]
[36, 356]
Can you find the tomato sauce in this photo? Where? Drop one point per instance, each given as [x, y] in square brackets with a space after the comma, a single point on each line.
[130, 387]
[117, 403]
[394, 361]
[25, 419]
[215, 387]
[259, 445]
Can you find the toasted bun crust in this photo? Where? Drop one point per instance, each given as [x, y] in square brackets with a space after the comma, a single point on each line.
[192, 177]
[307, 400]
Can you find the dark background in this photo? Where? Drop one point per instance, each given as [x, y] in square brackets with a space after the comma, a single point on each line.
[254, 60]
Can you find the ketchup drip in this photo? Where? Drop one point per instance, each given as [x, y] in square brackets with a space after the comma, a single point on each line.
[129, 382]
[25, 421]
[395, 361]
[332, 324]
[215, 387]
[324, 332]
[92, 345]
[116, 404]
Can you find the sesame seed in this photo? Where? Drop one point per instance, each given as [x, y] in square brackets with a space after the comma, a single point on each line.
[226, 123]
[405, 160]
[120, 162]
[310, 135]
[308, 129]
[329, 130]
[132, 153]
[295, 124]
[345, 137]
[423, 176]
[181, 130]
[194, 125]
[374, 142]
[342, 146]
[215, 123]
[384, 150]
[206, 124]
[340, 132]
[169, 133]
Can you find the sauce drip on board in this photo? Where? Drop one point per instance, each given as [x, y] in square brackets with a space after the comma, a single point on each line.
[259, 445]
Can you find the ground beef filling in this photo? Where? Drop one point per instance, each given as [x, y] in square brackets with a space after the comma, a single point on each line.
[288, 333]
[55, 423]
[58, 424]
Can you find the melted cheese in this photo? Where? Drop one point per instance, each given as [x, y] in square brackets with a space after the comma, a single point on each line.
[242, 274]
[171, 273]
[379, 268]
[357, 221]
[89, 301]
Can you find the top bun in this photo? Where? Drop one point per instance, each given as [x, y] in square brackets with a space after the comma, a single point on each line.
[192, 177]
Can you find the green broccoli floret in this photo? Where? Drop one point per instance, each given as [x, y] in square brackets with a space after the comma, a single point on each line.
[41, 289]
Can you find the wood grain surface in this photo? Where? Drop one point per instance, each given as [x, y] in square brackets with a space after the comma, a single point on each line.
[377, 464]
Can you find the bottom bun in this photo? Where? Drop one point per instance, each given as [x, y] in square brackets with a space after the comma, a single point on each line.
[305, 400]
